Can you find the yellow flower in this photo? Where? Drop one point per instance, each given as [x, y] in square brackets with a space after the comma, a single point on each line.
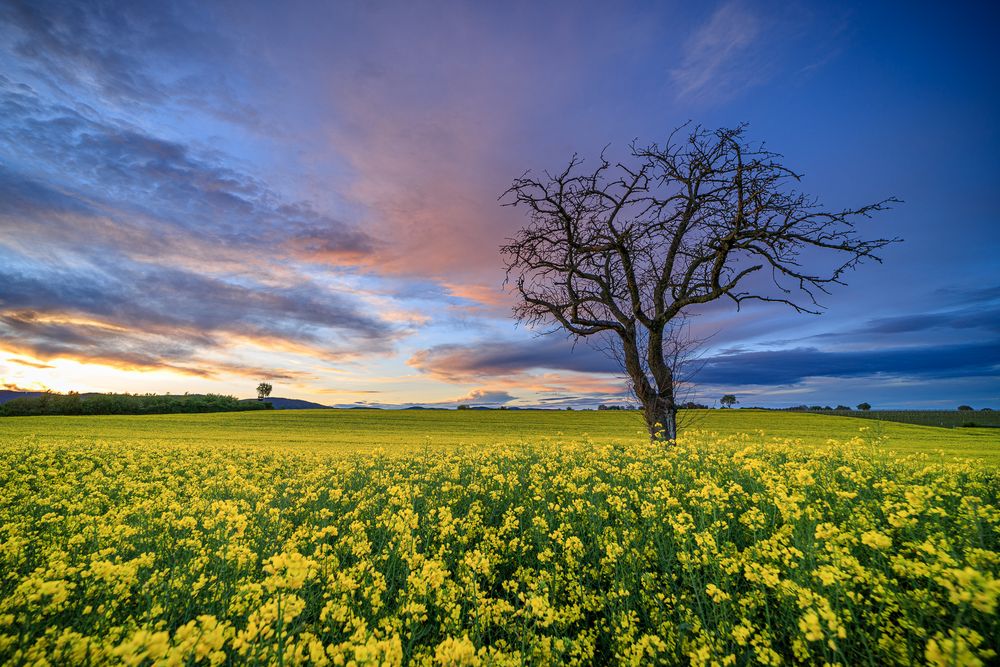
[957, 648]
[456, 652]
[876, 540]
[716, 593]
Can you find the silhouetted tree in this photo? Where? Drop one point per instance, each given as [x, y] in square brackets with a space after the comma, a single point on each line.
[728, 401]
[965, 408]
[629, 248]
[263, 390]
[864, 406]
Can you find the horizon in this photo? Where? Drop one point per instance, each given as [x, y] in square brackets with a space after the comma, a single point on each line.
[194, 199]
[627, 404]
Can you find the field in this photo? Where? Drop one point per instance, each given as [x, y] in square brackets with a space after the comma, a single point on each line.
[332, 537]
[403, 431]
[945, 418]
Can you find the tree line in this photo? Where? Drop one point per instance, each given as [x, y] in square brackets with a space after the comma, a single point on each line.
[74, 403]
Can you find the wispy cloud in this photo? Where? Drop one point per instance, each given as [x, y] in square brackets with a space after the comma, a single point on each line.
[714, 61]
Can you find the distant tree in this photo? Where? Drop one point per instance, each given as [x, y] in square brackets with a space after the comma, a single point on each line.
[124, 404]
[728, 401]
[628, 250]
[965, 408]
[569, 407]
[463, 407]
[263, 390]
[986, 409]
[864, 406]
[842, 408]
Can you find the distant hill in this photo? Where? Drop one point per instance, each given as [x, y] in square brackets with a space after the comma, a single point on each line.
[291, 404]
[8, 395]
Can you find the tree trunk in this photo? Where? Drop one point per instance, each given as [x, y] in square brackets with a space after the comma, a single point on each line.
[660, 409]
[661, 419]
[658, 406]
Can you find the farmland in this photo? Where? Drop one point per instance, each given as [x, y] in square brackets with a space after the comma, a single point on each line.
[402, 431]
[325, 537]
[944, 418]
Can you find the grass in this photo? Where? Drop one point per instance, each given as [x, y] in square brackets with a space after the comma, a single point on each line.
[404, 431]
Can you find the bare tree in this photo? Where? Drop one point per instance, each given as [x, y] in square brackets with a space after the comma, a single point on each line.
[629, 248]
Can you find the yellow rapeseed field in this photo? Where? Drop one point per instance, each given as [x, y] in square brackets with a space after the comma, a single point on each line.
[723, 550]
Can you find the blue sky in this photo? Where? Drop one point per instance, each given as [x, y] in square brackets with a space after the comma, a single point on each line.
[195, 196]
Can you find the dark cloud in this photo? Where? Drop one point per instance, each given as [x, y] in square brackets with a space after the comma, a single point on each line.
[733, 368]
[131, 249]
[48, 337]
[187, 309]
[124, 53]
[143, 194]
[968, 295]
[984, 316]
[74, 42]
[782, 367]
[496, 359]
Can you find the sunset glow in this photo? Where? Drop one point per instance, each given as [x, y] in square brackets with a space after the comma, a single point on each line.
[195, 197]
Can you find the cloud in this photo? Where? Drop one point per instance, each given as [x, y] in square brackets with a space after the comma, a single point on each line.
[549, 368]
[26, 333]
[592, 377]
[30, 364]
[782, 367]
[12, 386]
[126, 249]
[741, 45]
[981, 317]
[968, 295]
[715, 56]
[436, 119]
[110, 184]
[485, 397]
[457, 363]
[143, 315]
[122, 53]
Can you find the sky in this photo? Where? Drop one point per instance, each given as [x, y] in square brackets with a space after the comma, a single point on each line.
[198, 196]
